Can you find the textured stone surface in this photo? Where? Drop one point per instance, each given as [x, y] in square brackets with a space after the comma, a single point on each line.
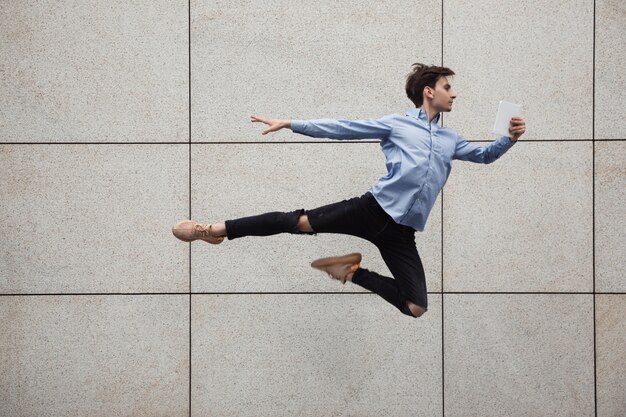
[610, 208]
[610, 354]
[610, 71]
[231, 181]
[94, 356]
[294, 60]
[285, 339]
[313, 355]
[518, 355]
[522, 223]
[506, 50]
[93, 218]
[94, 71]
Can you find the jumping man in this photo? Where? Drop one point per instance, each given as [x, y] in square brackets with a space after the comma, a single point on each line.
[419, 156]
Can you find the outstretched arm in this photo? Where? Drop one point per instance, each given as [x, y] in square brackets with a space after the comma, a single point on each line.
[467, 151]
[332, 128]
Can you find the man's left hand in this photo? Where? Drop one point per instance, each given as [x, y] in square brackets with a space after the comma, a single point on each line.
[518, 128]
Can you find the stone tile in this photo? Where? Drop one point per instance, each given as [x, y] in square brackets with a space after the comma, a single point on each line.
[610, 354]
[300, 60]
[610, 51]
[94, 71]
[313, 355]
[518, 355]
[610, 216]
[232, 181]
[93, 218]
[94, 356]
[506, 50]
[523, 223]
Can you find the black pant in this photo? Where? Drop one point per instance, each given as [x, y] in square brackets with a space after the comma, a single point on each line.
[362, 217]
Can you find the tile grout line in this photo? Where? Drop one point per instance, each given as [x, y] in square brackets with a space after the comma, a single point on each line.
[325, 142]
[593, 208]
[443, 373]
[443, 385]
[189, 191]
[303, 293]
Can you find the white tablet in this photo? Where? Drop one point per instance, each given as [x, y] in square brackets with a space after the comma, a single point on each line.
[506, 111]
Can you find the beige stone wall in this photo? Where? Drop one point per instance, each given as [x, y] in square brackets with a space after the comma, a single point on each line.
[120, 118]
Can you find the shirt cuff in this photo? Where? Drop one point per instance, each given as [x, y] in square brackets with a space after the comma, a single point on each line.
[508, 142]
[297, 126]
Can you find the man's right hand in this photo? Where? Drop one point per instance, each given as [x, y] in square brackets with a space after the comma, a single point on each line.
[274, 124]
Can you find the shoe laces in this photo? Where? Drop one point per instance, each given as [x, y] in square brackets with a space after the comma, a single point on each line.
[343, 276]
[202, 230]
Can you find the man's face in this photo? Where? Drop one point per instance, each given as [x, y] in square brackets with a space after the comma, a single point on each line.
[442, 96]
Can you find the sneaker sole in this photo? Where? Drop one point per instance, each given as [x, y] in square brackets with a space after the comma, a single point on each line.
[351, 259]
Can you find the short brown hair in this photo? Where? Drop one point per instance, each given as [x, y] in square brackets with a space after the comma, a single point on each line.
[422, 76]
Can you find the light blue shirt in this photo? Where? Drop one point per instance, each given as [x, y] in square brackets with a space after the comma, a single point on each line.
[419, 157]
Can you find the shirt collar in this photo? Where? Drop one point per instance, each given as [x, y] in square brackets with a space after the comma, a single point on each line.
[420, 114]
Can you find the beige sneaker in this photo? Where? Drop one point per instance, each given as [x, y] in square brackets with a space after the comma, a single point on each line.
[188, 231]
[339, 267]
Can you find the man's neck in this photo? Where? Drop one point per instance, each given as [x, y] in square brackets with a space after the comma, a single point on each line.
[430, 112]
